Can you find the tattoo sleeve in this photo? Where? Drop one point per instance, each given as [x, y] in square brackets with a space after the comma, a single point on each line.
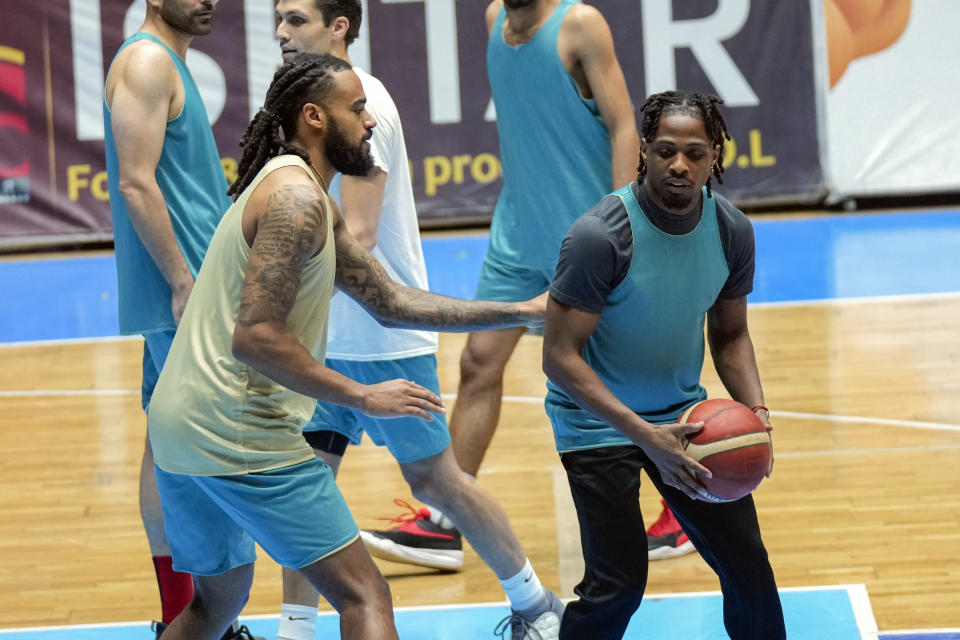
[289, 232]
[360, 276]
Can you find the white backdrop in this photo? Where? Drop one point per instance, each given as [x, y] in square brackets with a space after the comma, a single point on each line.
[893, 118]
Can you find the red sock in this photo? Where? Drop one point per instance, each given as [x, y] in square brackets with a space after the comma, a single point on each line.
[176, 589]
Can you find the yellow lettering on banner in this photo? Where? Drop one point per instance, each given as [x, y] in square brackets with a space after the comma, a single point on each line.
[229, 169]
[485, 168]
[729, 152]
[98, 186]
[79, 179]
[75, 181]
[441, 170]
[436, 171]
[459, 162]
[757, 158]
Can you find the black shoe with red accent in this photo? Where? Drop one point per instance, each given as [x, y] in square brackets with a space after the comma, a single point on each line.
[666, 538]
[416, 540]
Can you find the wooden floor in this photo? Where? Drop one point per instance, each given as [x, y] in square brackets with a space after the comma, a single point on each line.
[866, 487]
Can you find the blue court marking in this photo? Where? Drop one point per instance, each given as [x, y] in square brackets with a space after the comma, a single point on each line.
[820, 258]
[810, 615]
[919, 635]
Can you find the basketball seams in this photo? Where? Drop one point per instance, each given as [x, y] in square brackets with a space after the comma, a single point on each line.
[703, 451]
[736, 446]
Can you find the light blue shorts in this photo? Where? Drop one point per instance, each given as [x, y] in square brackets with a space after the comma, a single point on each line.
[297, 514]
[510, 283]
[408, 439]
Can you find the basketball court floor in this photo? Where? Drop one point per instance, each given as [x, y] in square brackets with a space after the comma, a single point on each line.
[856, 320]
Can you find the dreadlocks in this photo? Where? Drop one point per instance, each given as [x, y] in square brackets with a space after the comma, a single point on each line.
[307, 77]
[704, 108]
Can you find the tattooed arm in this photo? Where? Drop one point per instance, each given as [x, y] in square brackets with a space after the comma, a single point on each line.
[360, 276]
[288, 227]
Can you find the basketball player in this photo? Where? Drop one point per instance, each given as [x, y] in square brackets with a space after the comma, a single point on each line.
[379, 211]
[567, 137]
[246, 366]
[623, 350]
[167, 193]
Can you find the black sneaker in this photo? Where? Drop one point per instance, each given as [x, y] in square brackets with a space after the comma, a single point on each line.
[416, 540]
[235, 632]
[666, 538]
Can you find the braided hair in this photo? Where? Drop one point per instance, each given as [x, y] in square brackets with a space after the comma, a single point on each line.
[700, 106]
[307, 78]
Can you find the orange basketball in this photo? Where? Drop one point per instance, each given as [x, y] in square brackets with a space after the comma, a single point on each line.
[734, 444]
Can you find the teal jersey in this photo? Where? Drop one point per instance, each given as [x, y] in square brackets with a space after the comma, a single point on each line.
[648, 347]
[191, 179]
[554, 146]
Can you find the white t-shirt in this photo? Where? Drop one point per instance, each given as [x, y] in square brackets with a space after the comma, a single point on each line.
[353, 333]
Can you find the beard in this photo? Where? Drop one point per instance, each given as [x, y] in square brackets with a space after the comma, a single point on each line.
[186, 22]
[676, 201]
[517, 4]
[350, 160]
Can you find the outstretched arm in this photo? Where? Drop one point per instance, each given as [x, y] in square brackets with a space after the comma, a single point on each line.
[360, 276]
[566, 331]
[290, 230]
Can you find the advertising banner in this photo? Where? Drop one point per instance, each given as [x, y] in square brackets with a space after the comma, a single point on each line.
[892, 116]
[430, 54]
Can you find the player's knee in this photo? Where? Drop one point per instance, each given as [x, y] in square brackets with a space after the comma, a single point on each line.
[216, 607]
[372, 596]
[479, 367]
[630, 594]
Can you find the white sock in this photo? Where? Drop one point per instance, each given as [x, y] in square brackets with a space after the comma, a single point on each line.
[297, 622]
[524, 589]
[437, 518]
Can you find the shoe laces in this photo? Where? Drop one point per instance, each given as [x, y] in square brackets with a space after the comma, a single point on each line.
[514, 623]
[412, 515]
[243, 633]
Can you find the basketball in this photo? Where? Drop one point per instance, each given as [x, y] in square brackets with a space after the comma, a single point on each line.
[734, 444]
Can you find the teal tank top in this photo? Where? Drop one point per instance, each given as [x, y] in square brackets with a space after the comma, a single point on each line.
[648, 347]
[193, 184]
[554, 146]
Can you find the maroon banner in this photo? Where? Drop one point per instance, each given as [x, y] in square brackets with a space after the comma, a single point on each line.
[54, 55]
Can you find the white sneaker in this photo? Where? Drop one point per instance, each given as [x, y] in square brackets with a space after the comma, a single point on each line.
[546, 626]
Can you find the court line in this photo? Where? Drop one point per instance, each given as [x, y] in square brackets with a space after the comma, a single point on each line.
[893, 297]
[914, 424]
[862, 611]
[900, 297]
[919, 632]
[468, 605]
[67, 341]
[910, 424]
[46, 393]
[887, 422]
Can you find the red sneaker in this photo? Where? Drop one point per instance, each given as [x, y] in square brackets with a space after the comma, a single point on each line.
[416, 540]
[666, 538]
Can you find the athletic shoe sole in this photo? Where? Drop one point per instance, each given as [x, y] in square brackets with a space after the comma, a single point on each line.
[386, 549]
[664, 553]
